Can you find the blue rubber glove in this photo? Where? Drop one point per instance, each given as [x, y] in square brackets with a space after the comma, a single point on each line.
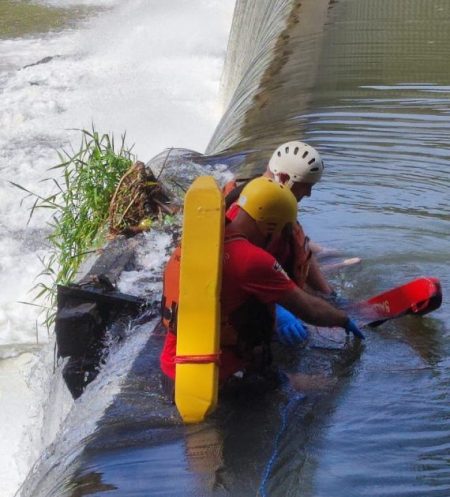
[290, 329]
[352, 327]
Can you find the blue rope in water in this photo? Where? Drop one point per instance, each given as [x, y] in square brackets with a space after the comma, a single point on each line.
[284, 418]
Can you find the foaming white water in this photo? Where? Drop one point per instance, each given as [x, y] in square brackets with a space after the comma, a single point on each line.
[32, 398]
[150, 68]
[146, 280]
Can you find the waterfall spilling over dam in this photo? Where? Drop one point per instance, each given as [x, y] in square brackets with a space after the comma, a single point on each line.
[271, 43]
[366, 83]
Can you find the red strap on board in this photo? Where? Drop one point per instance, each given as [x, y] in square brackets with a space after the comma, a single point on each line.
[198, 359]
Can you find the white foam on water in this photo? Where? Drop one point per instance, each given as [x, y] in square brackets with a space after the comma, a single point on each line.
[146, 280]
[149, 68]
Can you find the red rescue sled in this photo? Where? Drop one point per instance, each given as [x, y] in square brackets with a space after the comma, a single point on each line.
[419, 297]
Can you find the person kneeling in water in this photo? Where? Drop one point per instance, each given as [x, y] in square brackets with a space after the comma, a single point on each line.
[253, 283]
[298, 166]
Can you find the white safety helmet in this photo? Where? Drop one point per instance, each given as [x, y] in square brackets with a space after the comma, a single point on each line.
[296, 162]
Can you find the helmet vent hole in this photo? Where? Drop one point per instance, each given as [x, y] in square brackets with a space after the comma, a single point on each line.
[279, 153]
[296, 150]
[314, 169]
[305, 153]
[286, 150]
[312, 160]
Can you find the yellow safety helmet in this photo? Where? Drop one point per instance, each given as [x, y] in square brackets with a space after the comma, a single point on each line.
[270, 204]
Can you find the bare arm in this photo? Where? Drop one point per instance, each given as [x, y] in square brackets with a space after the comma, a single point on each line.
[312, 309]
[316, 280]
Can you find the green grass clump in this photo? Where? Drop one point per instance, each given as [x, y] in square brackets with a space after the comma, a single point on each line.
[80, 207]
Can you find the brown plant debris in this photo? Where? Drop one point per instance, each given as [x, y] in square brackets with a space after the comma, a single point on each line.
[139, 200]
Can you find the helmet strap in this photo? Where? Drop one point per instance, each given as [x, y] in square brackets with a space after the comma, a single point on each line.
[284, 179]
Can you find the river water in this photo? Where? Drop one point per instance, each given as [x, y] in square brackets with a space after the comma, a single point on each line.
[367, 83]
[369, 86]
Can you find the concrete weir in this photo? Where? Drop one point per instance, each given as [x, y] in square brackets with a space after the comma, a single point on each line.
[86, 310]
[261, 423]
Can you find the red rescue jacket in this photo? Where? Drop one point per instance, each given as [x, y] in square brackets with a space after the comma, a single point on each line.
[291, 248]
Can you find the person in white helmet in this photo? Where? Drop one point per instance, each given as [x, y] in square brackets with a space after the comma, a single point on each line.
[294, 164]
[298, 166]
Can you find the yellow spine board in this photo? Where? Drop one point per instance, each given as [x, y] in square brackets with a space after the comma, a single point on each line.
[198, 320]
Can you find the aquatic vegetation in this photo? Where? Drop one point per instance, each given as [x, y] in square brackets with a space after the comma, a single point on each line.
[80, 205]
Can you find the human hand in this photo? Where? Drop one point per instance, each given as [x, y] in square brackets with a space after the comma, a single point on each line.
[352, 327]
[290, 329]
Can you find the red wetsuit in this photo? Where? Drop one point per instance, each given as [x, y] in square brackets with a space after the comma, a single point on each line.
[290, 248]
[248, 272]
